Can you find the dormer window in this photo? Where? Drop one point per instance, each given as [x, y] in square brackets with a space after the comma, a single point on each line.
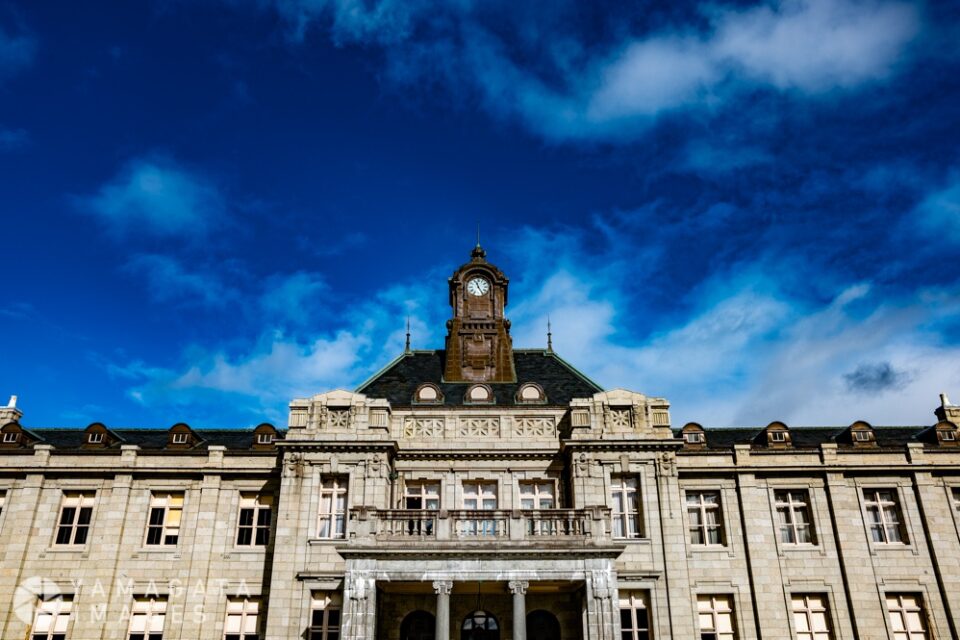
[10, 437]
[862, 436]
[180, 438]
[531, 393]
[428, 394]
[479, 394]
[948, 436]
[693, 437]
[264, 438]
[95, 438]
[778, 436]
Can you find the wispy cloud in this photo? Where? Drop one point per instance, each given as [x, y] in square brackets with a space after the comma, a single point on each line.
[155, 195]
[169, 281]
[876, 377]
[568, 87]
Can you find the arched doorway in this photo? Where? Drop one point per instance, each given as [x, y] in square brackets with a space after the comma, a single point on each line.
[480, 625]
[419, 625]
[542, 625]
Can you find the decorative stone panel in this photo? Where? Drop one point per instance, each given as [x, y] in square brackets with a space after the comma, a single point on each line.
[338, 418]
[422, 427]
[620, 418]
[479, 428]
[534, 427]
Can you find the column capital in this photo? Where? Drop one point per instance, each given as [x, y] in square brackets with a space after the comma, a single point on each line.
[442, 587]
[518, 586]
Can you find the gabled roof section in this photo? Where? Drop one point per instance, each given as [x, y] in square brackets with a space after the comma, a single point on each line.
[399, 380]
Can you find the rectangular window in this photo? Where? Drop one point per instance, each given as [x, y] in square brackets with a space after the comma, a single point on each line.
[76, 511]
[793, 511]
[536, 495]
[778, 436]
[419, 496]
[715, 614]
[479, 495]
[253, 526]
[626, 507]
[884, 516]
[862, 435]
[693, 437]
[95, 438]
[147, 618]
[908, 620]
[811, 617]
[51, 618]
[332, 519]
[10, 437]
[243, 619]
[166, 512]
[180, 438]
[264, 438]
[706, 520]
[324, 616]
[634, 615]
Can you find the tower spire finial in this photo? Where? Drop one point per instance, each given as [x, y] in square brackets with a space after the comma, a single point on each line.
[549, 335]
[406, 349]
[478, 234]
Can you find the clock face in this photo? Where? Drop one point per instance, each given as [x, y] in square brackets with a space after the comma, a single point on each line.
[478, 287]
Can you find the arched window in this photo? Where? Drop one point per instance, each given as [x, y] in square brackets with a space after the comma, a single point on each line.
[480, 625]
[542, 625]
[419, 625]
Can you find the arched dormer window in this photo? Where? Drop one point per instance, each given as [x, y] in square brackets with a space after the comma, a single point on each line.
[531, 393]
[478, 394]
[181, 436]
[97, 436]
[11, 435]
[777, 435]
[264, 436]
[428, 393]
[946, 434]
[861, 434]
[694, 437]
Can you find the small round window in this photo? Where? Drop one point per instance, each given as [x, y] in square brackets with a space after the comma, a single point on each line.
[479, 393]
[531, 393]
[428, 394]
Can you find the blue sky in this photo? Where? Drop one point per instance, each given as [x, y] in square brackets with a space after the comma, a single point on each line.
[210, 207]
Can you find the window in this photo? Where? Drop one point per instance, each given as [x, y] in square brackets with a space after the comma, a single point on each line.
[693, 437]
[862, 435]
[810, 617]
[95, 438]
[530, 393]
[253, 526]
[421, 496]
[3, 500]
[907, 617]
[324, 617]
[10, 437]
[333, 507]
[634, 615]
[778, 436]
[147, 617]
[166, 511]
[948, 435]
[793, 510]
[479, 495]
[715, 615]
[626, 509]
[242, 619]
[535, 495]
[956, 499]
[883, 516]
[51, 618]
[264, 438]
[180, 438]
[76, 511]
[706, 521]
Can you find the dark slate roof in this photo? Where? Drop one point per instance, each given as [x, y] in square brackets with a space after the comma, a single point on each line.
[560, 381]
[806, 437]
[66, 438]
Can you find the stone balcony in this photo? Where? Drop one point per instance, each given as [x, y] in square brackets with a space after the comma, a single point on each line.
[373, 531]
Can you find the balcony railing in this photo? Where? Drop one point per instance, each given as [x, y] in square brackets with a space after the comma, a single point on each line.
[371, 525]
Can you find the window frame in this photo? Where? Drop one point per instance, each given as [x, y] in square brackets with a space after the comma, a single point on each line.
[481, 495]
[694, 437]
[166, 496]
[265, 438]
[922, 614]
[715, 613]
[618, 485]
[52, 633]
[335, 519]
[95, 437]
[255, 527]
[10, 437]
[629, 601]
[808, 612]
[328, 603]
[244, 614]
[180, 437]
[703, 508]
[151, 612]
[85, 503]
[882, 523]
[537, 495]
[789, 506]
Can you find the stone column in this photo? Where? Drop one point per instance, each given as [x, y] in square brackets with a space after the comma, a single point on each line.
[442, 589]
[519, 590]
[360, 607]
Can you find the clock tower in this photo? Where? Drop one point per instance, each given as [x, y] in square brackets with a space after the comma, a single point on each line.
[478, 344]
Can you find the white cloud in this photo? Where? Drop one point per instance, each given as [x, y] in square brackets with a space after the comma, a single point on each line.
[169, 281]
[157, 196]
[939, 213]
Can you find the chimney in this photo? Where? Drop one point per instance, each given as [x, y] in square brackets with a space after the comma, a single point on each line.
[946, 411]
[10, 413]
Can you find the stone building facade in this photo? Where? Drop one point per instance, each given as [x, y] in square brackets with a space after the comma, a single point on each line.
[480, 492]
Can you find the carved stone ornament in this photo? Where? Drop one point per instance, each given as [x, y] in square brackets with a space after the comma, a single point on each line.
[534, 427]
[293, 465]
[479, 428]
[442, 587]
[582, 466]
[358, 585]
[666, 465]
[601, 584]
[518, 586]
[422, 427]
[620, 418]
[339, 418]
